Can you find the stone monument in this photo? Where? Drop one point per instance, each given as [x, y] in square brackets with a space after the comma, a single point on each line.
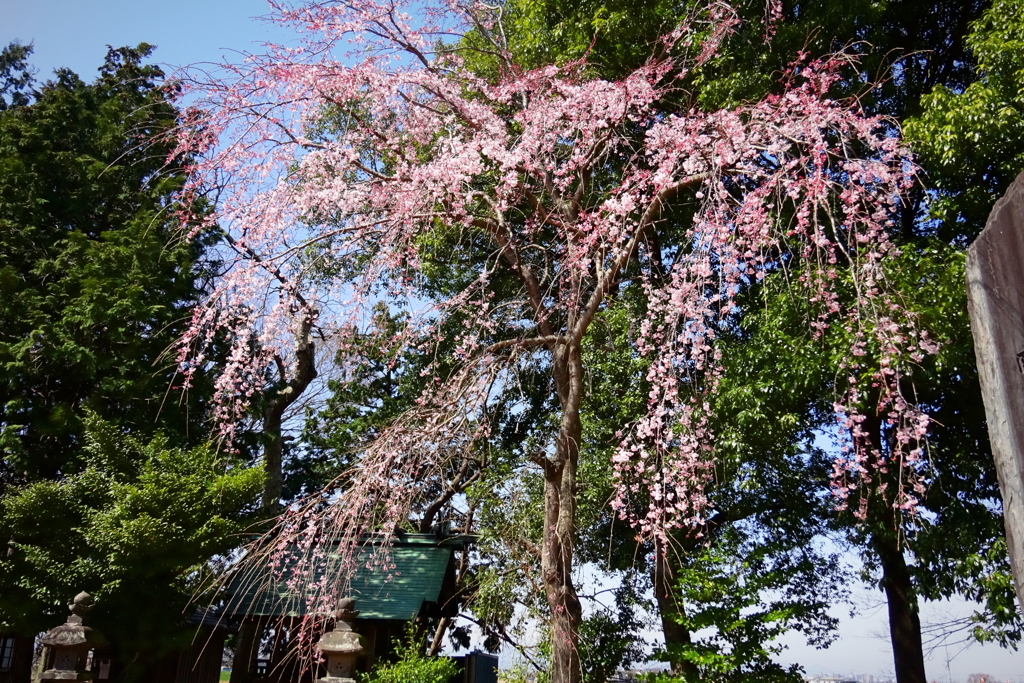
[995, 299]
[342, 646]
[69, 644]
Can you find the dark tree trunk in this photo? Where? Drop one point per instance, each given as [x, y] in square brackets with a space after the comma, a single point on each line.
[904, 619]
[664, 573]
[273, 449]
[900, 595]
[560, 520]
[246, 644]
[276, 402]
[557, 551]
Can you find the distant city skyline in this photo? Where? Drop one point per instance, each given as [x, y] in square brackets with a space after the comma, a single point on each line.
[869, 678]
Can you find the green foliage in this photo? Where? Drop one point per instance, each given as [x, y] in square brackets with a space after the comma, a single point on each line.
[617, 384]
[609, 637]
[767, 473]
[907, 46]
[95, 283]
[771, 480]
[106, 483]
[971, 140]
[616, 34]
[739, 596]
[774, 384]
[15, 75]
[411, 665]
[137, 527]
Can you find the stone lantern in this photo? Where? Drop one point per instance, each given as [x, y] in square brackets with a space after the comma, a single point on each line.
[70, 643]
[342, 646]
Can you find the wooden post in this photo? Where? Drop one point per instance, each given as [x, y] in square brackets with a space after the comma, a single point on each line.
[995, 300]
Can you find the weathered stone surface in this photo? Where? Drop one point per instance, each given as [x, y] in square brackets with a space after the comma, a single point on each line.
[69, 635]
[342, 646]
[995, 297]
[66, 676]
[342, 642]
[69, 644]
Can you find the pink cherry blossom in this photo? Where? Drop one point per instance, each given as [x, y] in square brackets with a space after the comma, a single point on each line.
[346, 165]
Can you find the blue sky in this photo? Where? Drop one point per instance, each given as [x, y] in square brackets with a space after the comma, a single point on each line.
[74, 33]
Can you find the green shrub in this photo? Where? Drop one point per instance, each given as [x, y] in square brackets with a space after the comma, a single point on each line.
[412, 666]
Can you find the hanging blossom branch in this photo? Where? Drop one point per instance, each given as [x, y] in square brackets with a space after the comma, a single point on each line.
[344, 181]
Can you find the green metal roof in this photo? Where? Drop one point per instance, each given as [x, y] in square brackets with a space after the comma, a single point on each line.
[414, 574]
[415, 579]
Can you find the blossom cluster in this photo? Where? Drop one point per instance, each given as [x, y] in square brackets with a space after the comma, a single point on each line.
[355, 167]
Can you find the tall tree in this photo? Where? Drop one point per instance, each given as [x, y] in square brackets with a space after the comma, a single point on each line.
[921, 46]
[547, 195]
[95, 284]
[137, 525]
[16, 76]
[971, 139]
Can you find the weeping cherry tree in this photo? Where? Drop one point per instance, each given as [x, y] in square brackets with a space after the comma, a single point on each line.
[502, 214]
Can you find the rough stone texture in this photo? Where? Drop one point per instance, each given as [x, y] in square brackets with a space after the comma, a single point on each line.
[69, 643]
[66, 676]
[74, 633]
[68, 635]
[342, 646]
[995, 299]
[342, 642]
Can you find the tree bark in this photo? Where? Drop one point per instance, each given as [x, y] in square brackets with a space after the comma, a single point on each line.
[276, 402]
[664, 577]
[900, 595]
[904, 619]
[273, 450]
[246, 644]
[560, 520]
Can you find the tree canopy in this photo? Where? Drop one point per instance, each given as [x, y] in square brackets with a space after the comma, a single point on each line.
[592, 279]
[505, 215]
[108, 482]
[137, 525]
[95, 283]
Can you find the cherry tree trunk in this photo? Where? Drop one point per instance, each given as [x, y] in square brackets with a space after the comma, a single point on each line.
[560, 522]
[904, 619]
[273, 449]
[278, 400]
[664, 578]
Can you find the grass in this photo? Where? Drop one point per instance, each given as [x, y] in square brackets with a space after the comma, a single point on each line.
[225, 675]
